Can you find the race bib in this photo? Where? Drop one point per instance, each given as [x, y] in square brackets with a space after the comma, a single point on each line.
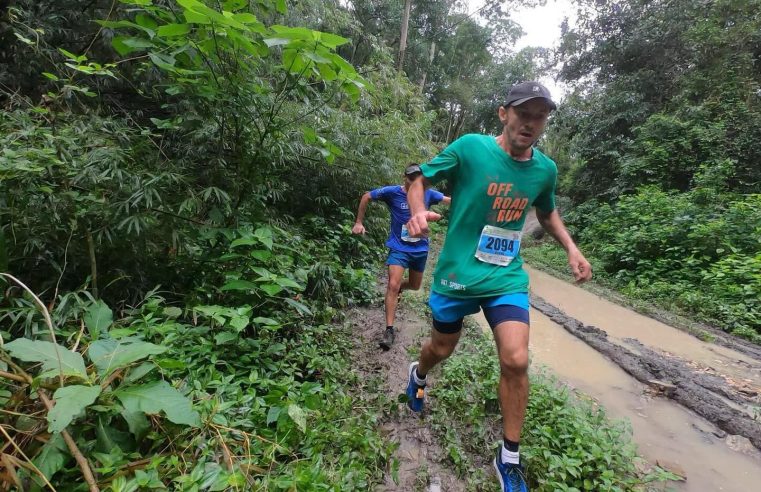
[406, 235]
[498, 246]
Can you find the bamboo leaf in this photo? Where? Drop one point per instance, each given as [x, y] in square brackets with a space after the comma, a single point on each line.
[171, 30]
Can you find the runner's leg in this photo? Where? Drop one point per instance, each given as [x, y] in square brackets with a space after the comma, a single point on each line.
[512, 346]
[436, 349]
[413, 281]
[395, 276]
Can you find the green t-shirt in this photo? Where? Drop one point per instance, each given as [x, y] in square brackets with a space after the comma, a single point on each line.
[489, 188]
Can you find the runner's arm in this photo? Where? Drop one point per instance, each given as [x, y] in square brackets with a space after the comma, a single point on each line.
[553, 224]
[418, 224]
[359, 228]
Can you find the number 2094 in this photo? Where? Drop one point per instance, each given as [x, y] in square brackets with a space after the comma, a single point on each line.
[500, 244]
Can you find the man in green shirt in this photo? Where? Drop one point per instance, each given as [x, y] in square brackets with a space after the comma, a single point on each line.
[494, 182]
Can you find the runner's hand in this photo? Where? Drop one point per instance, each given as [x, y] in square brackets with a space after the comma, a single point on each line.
[418, 224]
[582, 270]
[358, 229]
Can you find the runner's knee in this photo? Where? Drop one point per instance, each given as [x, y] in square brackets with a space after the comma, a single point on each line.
[513, 362]
[442, 348]
[394, 284]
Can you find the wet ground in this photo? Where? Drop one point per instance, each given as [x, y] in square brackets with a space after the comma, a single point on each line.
[690, 403]
[419, 456]
[693, 405]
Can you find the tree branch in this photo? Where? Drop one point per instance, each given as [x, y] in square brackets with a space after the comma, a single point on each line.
[37, 470]
[13, 377]
[73, 449]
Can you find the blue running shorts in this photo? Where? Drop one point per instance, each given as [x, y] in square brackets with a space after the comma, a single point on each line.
[448, 312]
[413, 261]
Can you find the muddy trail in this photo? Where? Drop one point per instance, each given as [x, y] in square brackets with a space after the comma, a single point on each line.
[693, 405]
[720, 384]
[421, 461]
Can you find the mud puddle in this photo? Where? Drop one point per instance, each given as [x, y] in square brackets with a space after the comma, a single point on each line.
[689, 402]
[622, 324]
[665, 432]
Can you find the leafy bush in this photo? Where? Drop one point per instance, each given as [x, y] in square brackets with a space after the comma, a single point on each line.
[695, 252]
[272, 392]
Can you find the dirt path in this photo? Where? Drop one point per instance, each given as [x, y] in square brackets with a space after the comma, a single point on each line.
[419, 457]
[622, 324]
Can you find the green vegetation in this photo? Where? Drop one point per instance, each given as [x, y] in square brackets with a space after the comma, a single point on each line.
[177, 179]
[657, 145]
[176, 192]
[175, 186]
[694, 253]
[263, 364]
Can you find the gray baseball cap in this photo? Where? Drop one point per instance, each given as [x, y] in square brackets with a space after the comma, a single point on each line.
[412, 169]
[520, 93]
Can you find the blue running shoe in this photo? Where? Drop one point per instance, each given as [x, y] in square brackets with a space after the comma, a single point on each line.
[415, 392]
[511, 477]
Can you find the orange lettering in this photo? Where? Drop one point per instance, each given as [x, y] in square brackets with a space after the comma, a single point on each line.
[501, 216]
[497, 202]
[506, 202]
[492, 190]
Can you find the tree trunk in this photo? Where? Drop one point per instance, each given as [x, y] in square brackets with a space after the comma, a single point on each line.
[93, 263]
[430, 61]
[403, 39]
[460, 123]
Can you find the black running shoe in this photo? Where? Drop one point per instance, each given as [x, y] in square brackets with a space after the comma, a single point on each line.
[388, 339]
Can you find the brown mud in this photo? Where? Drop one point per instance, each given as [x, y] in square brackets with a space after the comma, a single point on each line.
[704, 393]
[419, 457]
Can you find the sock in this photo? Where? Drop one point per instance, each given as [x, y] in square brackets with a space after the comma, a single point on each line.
[420, 381]
[510, 452]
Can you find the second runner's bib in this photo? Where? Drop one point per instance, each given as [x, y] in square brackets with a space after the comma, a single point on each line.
[406, 235]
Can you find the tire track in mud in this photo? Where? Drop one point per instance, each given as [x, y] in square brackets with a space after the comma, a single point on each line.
[707, 395]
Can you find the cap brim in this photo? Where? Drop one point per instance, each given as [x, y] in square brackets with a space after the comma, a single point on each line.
[550, 103]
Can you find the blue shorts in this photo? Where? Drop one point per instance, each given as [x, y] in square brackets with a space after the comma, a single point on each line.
[413, 261]
[448, 312]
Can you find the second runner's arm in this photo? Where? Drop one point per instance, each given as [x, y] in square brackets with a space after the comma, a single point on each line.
[359, 228]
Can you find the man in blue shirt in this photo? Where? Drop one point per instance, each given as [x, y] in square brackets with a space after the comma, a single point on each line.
[405, 252]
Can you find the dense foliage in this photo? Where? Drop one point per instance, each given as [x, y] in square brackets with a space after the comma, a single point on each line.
[660, 142]
[175, 177]
[256, 355]
[176, 182]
